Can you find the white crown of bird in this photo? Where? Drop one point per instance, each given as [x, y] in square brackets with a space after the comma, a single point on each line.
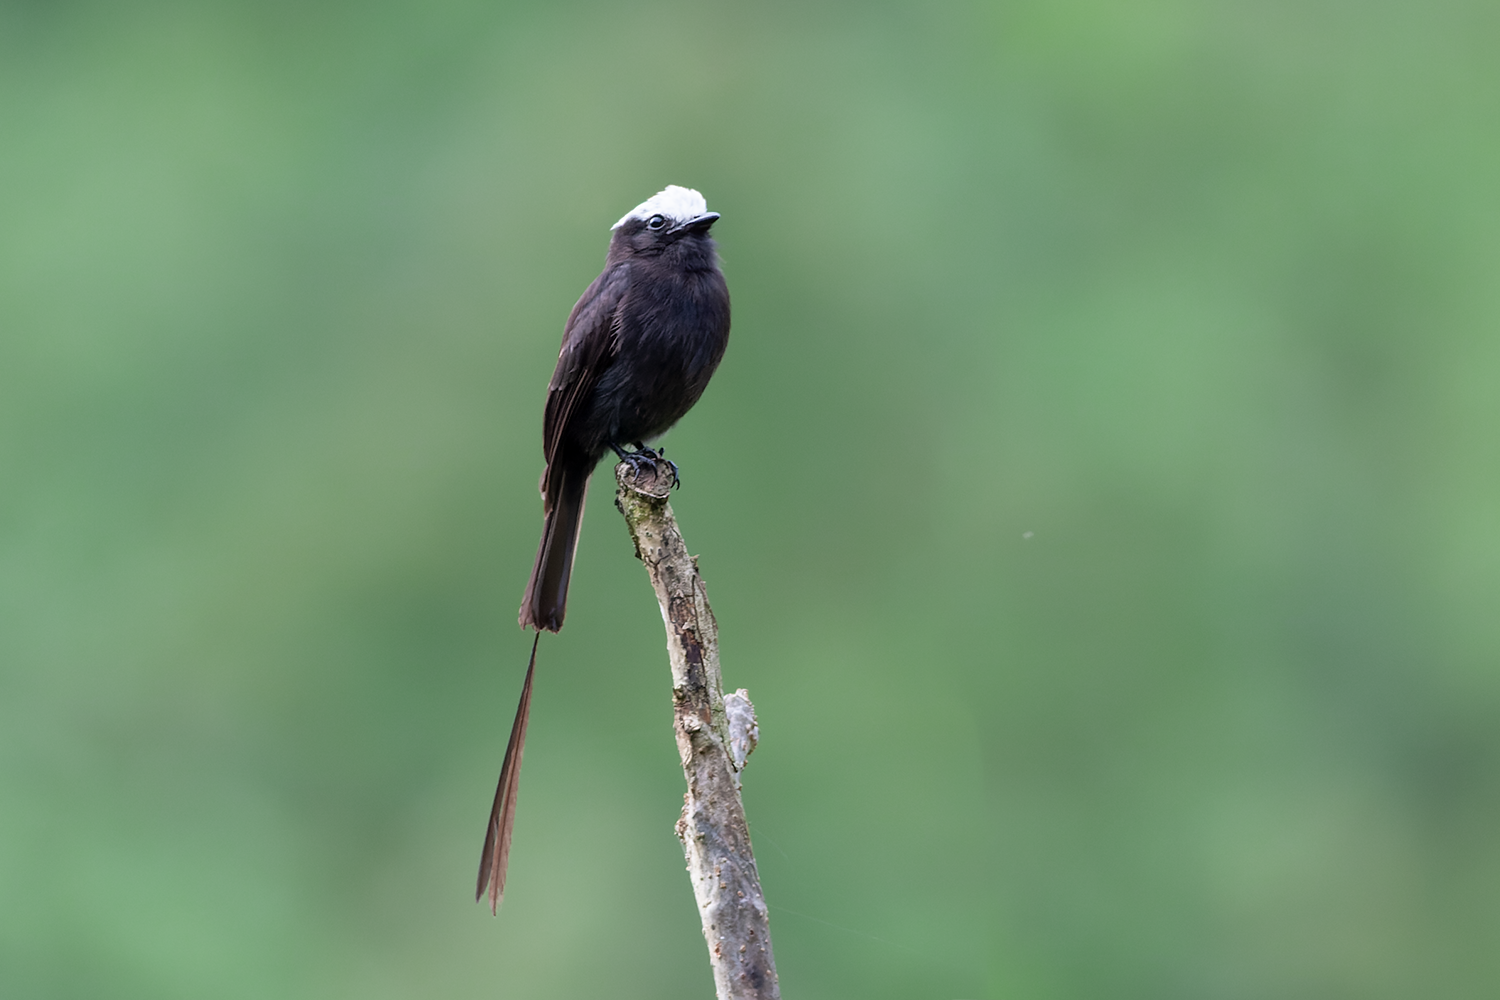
[676, 203]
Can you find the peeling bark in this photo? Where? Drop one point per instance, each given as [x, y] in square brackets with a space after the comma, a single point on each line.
[715, 735]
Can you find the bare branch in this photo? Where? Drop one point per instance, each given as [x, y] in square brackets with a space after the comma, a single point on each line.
[714, 736]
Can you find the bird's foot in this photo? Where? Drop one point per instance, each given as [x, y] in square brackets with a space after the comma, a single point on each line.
[637, 462]
[662, 459]
[643, 458]
[659, 456]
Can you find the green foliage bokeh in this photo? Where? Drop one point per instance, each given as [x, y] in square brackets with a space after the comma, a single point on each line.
[1100, 498]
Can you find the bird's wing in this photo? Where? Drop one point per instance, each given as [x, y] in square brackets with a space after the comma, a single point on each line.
[590, 343]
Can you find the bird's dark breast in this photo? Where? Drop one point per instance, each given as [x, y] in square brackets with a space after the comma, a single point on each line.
[673, 329]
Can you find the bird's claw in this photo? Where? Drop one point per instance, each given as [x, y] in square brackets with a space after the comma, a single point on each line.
[659, 456]
[663, 460]
[644, 457]
[638, 461]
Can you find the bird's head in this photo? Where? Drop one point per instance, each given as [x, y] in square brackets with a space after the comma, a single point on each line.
[676, 218]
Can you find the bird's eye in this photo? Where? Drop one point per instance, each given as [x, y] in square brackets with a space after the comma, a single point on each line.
[656, 222]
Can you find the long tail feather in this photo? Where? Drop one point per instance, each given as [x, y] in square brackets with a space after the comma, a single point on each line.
[496, 855]
[546, 599]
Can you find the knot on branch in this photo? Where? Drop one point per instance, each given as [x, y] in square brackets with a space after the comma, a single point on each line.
[744, 730]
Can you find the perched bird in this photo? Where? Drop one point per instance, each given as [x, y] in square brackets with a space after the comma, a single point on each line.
[637, 352]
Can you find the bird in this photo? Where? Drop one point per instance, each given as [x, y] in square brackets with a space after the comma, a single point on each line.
[638, 350]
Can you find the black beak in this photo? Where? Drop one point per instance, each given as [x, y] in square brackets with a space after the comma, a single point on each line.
[701, 223]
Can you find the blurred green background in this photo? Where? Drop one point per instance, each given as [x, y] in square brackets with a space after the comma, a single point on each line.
[1100, 498]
